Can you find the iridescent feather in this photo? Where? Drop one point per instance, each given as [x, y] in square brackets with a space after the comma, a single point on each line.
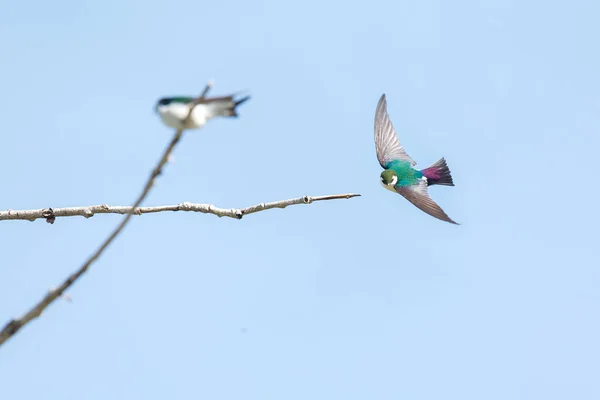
[412, 184]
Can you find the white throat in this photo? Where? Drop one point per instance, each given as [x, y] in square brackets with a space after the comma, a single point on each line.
[390, 186]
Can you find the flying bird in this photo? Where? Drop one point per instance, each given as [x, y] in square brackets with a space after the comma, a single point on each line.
[399, 176]
[174, 110]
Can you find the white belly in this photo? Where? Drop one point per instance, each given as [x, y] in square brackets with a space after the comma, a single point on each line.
[174, 114]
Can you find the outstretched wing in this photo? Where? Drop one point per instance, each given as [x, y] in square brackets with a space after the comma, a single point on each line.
[386, 140]
[417, 194]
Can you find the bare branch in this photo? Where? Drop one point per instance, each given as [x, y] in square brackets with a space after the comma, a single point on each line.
[51, 214]
[16, 324]
[202, 96]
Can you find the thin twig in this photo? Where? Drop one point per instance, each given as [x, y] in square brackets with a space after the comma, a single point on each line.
[16, 324]
[50, 214]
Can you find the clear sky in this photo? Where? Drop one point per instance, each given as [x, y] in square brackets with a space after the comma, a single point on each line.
[366, 298]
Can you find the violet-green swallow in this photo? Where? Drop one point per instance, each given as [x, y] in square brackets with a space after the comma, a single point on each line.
[174, 110]
[399, 175]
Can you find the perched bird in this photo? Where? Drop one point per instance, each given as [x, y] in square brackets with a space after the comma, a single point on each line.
[399, 175]
[174, 110]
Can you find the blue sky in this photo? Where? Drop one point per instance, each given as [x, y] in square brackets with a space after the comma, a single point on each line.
[365, 298]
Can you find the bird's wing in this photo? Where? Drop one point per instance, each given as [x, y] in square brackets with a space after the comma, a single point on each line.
[417, 194]
[218, 106]
[386, 140]
[222, 99]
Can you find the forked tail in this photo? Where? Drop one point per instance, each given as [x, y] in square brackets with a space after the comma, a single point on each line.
[438, 174]
[232, 112]
[223, 106]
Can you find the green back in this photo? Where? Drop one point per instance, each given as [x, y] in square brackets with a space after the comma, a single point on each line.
[407, 175]
[180, 99]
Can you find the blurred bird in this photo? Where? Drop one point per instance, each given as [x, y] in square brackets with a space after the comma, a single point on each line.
[399, 175]
[174, 110]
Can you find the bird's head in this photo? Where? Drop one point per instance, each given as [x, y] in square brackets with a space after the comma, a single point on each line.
[162, 102]
[389, 177]
[167, 101]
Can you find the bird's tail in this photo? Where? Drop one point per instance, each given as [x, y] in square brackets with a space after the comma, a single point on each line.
[231, 111]
[223, 106]
[438, 174]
